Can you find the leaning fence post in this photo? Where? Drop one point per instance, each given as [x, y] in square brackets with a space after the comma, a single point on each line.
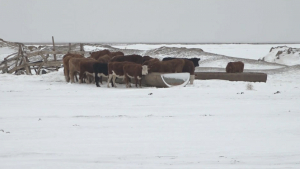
[54, 51]
[25, 61]
[53, 48]
[5, 69]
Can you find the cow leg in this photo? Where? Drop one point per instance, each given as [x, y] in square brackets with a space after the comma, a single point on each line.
[140, 81]
[112, 85]
[126, 80]
[129, 81]
[101, 79]
[88, 79]
[80, 77]
[109, 79]
[67, 77]
[114, 81]
[136, 81]
[71, 75]
[192, 78]
[75, 75]
[97, 79]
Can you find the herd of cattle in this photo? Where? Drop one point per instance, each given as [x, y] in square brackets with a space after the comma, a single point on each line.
[117, 65]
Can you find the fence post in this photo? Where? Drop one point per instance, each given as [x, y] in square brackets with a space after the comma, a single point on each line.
[81, 47]
[5, 69]
[25, 60]
[53, 48]
[69, 47]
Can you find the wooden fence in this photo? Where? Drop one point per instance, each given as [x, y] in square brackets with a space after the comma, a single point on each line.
[19, 61]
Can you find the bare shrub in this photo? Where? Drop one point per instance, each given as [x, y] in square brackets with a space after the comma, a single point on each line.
[249, 86]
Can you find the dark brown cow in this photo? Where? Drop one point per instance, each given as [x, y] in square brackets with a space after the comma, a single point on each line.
[135, 71]
[100, 53]
[115, 69]
[170, 66]
[146, 58]
[74, 67]
[86, 70]
[66, 59]
[189, 67]
[129, 58]
[194, 60]
[235, 67]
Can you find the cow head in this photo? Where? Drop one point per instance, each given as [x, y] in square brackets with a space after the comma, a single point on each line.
[230, 68]
[144, 70]
[195, 61]
[151, 64]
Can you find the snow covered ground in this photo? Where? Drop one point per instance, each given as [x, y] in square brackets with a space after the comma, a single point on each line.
[248, 51]
[5, 51]
[48, 123]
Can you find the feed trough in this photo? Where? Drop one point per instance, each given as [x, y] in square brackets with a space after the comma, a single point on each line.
[161, 80]
[166, 79]
[245, 76]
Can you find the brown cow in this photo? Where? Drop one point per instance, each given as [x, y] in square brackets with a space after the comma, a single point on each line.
[115, 69]
[113, 54]
[129, 58]
[74, 67]
[100, 53]
[189, 67]
[170, 66]
[235, 67]
[66, 59]
[104, 59]
[86, 70]
[146, 58]
[135, 71]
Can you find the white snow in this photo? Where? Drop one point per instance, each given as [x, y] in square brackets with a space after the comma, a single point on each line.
[5, 51]
[249, 51]
[48, 123]
[284, 58]
[92, 48]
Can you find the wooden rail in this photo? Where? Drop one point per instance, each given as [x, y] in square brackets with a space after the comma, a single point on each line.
[20, 60]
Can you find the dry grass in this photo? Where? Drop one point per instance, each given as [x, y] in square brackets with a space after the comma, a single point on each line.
[249, 86]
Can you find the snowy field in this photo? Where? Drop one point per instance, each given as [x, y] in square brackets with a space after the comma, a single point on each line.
[48, 123]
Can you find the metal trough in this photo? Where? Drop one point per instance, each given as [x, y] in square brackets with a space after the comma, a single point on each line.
[161, 79]
[166, 79]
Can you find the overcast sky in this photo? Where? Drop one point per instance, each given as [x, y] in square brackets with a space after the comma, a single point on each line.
[155, 21]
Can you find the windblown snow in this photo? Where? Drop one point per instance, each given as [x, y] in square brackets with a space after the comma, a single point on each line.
[46, 122]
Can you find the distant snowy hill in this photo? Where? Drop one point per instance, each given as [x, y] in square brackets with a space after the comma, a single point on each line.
[6, 49]
[283, 55]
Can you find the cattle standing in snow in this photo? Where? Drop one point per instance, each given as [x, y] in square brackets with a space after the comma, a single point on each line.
[104, 59]
[128, 58]
[66, 59]
[98, 54]
[189, 68]
[113, 54]
[74, 67]
[134, 71]
[235, 67]
[115, 69]
[194, 60]
[100, 69]
[146, 58]
[170, 66]
[86, 70]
